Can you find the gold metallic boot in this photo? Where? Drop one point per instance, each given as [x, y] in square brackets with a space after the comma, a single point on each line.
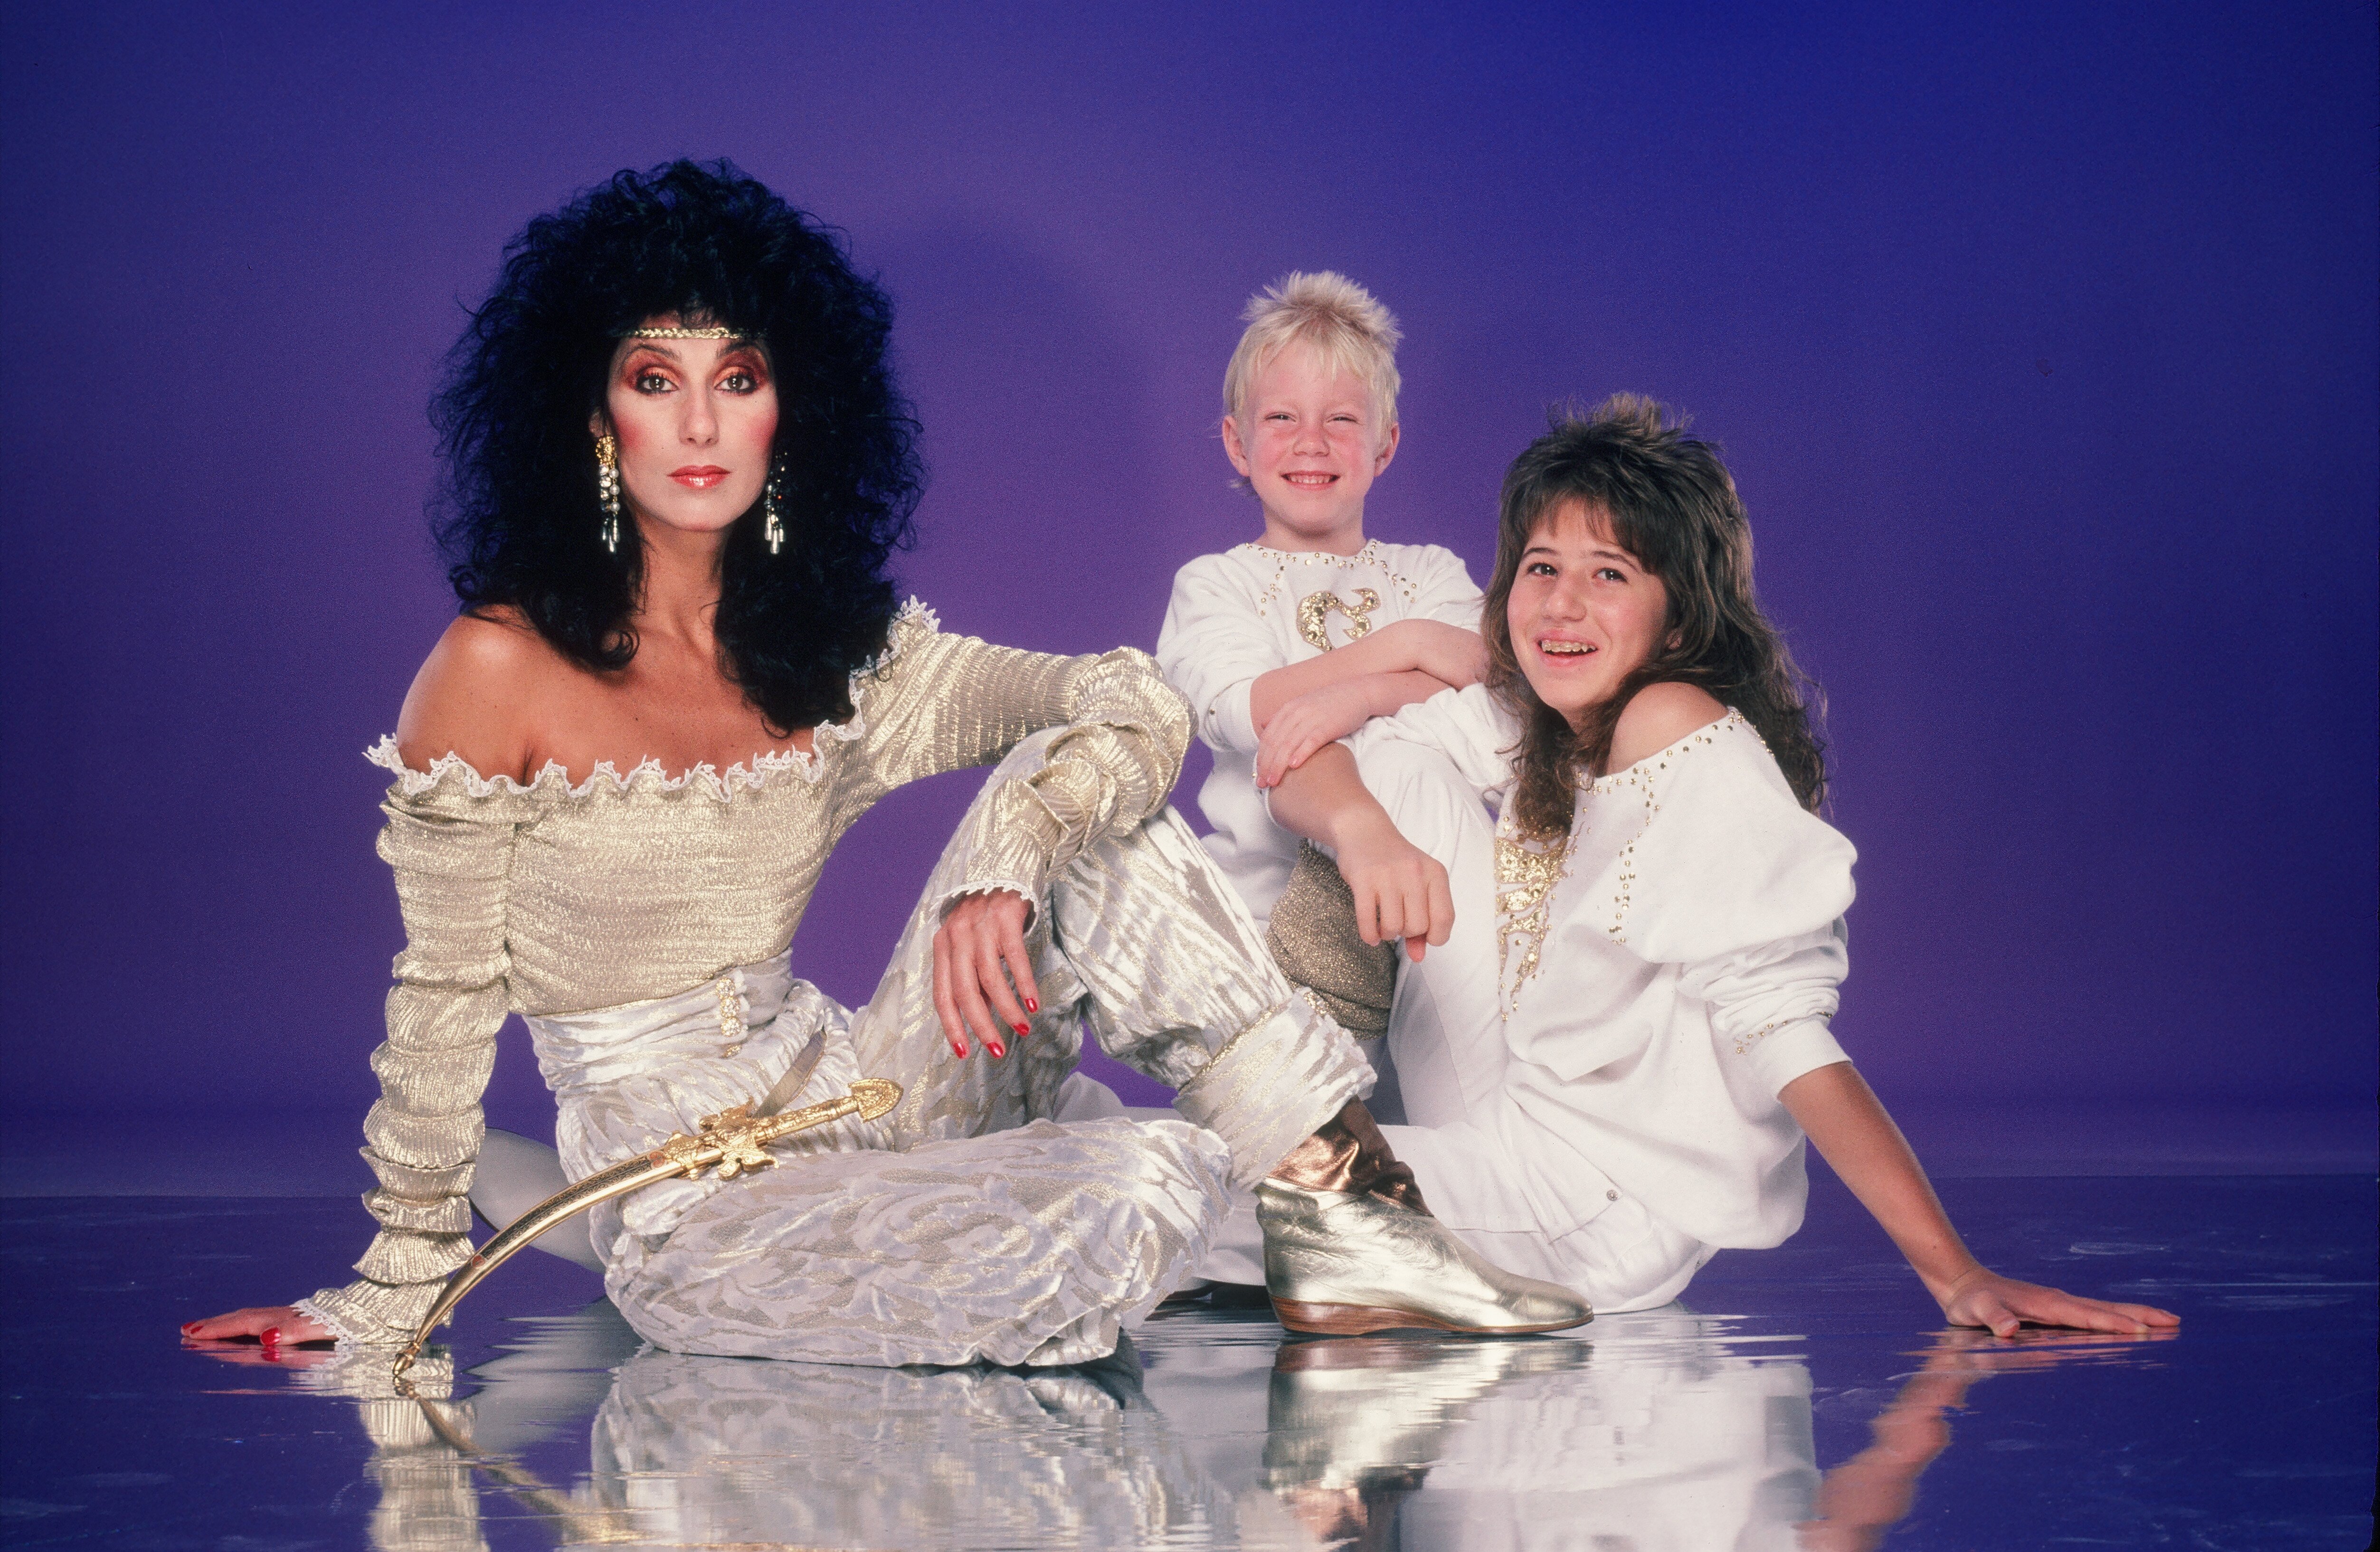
[1350, 1248]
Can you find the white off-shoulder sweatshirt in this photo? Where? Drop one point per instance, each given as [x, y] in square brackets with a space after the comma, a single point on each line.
[1666, 969]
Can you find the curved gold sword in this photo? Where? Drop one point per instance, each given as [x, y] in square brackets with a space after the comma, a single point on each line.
[734, 1139]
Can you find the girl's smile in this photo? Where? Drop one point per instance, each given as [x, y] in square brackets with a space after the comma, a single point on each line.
[1583, 612]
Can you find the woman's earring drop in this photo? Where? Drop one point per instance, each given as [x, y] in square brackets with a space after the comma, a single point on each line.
[772, 506]
[607, 488]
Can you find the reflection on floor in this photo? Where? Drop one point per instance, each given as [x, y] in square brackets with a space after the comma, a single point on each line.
[1800, 1398]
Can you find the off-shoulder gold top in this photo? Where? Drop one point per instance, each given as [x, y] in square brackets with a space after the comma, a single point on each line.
[552, 898]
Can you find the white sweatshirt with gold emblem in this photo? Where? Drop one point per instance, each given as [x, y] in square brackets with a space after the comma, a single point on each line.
[1251, 610]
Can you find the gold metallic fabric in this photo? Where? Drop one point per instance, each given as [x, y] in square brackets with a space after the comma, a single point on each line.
[552, 898]
[1348, 1153]
[1312, 937]
[1343, 1263]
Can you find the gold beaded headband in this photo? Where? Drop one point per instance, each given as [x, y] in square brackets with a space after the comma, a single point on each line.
[683, 334]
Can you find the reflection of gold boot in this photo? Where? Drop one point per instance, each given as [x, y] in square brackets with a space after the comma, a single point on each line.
[1352, 1427]
[1349, 1248]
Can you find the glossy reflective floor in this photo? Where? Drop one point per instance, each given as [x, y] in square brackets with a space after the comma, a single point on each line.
[1800, 1397]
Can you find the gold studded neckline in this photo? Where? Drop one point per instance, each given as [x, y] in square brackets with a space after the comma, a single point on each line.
[1660, 759]
[1368, 556]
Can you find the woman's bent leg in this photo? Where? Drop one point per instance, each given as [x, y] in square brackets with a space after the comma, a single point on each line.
[1036, 1245]
[1142, 937]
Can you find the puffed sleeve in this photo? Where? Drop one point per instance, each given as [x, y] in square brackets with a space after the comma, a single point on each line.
[1445, 591]
[945, 702]
[1212, 649]
[451, 854]
[1733, 880]
[1465, 725]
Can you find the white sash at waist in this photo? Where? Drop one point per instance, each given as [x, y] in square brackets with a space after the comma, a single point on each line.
[627, 1077]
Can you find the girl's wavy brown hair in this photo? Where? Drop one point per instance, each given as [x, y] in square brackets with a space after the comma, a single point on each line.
[1667, 500]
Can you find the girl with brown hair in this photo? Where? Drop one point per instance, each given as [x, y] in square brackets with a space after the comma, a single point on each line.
[1668, 905]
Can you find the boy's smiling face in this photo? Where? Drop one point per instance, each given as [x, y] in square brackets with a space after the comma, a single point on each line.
[1309, 440]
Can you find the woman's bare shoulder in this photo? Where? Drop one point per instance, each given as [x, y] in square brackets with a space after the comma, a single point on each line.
[473, 693]
[1657, 717]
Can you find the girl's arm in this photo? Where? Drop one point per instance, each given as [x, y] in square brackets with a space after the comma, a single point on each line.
[1844, 1117]
[1400, 891]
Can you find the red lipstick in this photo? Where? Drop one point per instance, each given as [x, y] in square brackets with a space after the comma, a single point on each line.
[700, 477]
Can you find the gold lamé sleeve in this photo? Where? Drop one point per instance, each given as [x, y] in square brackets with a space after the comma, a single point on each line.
[953, 701]
[452, 855]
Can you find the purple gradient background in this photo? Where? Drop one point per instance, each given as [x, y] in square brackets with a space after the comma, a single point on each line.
[2043, 340]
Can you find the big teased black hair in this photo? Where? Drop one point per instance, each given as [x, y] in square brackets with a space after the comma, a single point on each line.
[519, 521]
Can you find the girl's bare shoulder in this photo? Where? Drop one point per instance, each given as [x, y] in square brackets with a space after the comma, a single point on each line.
[1657, 717]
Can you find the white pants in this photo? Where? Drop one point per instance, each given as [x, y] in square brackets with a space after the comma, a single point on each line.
[1525, 1201]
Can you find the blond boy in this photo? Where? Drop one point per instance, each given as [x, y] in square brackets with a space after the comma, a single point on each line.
[1302, 635]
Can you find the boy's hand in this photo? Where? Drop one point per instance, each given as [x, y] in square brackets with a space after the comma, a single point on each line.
[1307, 723]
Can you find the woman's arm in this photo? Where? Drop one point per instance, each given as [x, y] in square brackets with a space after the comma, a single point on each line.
[1849, 1125]
[948, 702]
[1400, 891]
[451, 853]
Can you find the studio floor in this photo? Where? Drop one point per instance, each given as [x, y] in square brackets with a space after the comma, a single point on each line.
[1803, 1397]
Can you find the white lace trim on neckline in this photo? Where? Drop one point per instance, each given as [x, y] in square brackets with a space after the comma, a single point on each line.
[649, 774]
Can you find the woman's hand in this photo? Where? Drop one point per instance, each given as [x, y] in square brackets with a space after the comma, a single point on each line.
[977, 954]
[1400, 891]
[1982, 1297]
[1314, 718]
[273, 1325]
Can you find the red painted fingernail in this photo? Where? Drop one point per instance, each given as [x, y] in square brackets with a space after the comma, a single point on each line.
[995, 1049]
[1031, 1006]
[271, 1335]
[190, 1328]
[1023, 1030]
[958, 1050]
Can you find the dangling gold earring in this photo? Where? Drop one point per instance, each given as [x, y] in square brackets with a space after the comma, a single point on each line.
[607, 488]
[772, 506]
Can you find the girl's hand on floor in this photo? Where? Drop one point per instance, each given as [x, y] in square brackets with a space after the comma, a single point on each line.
[1985, 1298]
[977, 954]
[274, 1324]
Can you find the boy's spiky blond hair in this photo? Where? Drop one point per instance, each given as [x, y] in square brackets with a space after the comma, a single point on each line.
[1333, 314]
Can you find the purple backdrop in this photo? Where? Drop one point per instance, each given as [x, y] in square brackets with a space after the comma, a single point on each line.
[2043, 343]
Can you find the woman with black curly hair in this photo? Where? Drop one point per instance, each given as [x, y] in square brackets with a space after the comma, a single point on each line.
[679, 466]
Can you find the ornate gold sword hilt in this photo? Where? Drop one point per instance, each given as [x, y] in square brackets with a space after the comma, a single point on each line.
[734, 1140]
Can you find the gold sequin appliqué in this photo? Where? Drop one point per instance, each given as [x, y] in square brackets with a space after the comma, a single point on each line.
[1367, 559]
[1314, 615]
[1527, 868]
